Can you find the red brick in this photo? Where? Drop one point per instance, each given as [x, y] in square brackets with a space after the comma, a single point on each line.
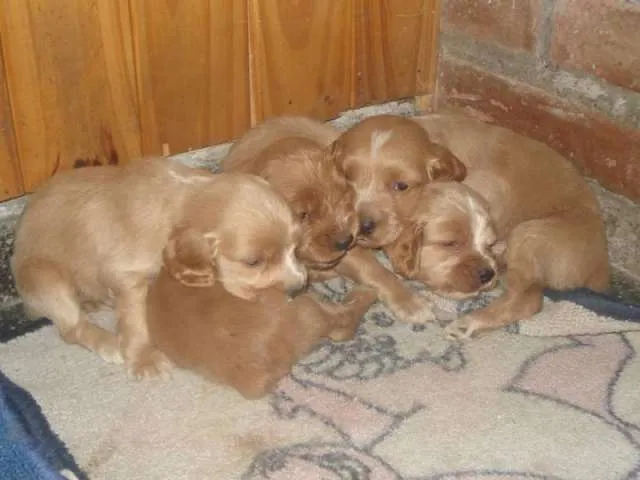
[508, 22]
[601, 37]
[600, 148]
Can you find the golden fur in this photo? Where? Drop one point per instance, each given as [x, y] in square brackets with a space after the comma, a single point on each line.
[289, 152]
[248, 345]
[540, 206]
[450, 243]
[387, 190]
[97, 234]
[298, 157]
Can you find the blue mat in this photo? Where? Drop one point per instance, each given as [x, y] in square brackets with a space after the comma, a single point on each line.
[600, 303]
[29, 449]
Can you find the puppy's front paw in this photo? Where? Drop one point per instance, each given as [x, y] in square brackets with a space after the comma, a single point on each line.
[149, 363]
[110, 352]
[461, 328]
[415, 308]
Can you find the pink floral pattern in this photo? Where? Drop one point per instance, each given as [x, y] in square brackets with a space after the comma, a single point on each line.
[408, 404]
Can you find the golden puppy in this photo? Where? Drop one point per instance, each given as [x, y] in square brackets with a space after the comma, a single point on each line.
[388, 161]
[246, 345]
[289, 152]
[450, 243]
[97, 234]
[296, 155]
[540, 206]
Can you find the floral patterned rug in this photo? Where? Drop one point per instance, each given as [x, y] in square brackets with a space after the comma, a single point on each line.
[555, 397]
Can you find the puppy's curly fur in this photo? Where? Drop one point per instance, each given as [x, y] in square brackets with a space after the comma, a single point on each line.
[387, 192]
[450, 242]
[289, 152]
[97, 234]
[540, 206]
[388, 162]
[248, 345]
[303, 159]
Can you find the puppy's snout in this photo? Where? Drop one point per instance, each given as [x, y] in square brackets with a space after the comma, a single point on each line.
[367, 225]
[486, 275]
[344, 243]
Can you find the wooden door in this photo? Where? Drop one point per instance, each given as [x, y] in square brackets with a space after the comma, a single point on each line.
[319, 57]
[395, 49]
[301, 54]
[71, 84]
[192, 72]
[88, 82]
[10, 174]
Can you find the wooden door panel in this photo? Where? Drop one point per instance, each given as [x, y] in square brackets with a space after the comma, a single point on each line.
[103, 81]
[395, 49]
[192, 72]
[10, 178]
[301, 55]
[70, 79]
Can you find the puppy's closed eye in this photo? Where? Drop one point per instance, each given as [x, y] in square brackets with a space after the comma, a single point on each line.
[188, 257]
[253, 262]
[450, 244]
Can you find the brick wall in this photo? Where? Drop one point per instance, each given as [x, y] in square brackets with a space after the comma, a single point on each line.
[566, 72]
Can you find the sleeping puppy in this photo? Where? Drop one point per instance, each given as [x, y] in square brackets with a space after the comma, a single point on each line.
[541, 208]
[293, 154]
[248, 345]
[450, 242]
[289, 153]
[388, 160]
[97, 235]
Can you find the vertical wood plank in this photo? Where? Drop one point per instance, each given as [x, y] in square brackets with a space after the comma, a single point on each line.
[302, 57]
[10, 177]
[395, 49]
[192, 72]
[71, 85]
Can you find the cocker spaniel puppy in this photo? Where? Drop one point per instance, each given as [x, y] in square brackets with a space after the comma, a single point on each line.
[542, 211]
[248, 345]
[97, 235]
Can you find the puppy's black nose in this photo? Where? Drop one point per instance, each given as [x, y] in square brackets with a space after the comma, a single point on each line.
[367, 226]
[486, 275]
[344, 243]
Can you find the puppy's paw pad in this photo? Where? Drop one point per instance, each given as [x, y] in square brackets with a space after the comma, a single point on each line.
[418, 310]
[459, 330]
[150, 364]
[341, 334]
[110, 353]
[113, 356]
[423, 316]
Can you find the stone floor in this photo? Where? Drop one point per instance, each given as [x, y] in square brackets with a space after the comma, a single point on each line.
[622, 218]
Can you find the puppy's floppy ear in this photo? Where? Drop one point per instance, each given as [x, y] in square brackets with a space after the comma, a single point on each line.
[188, 257]
[442, 165]
[404, 253]
[334, 153]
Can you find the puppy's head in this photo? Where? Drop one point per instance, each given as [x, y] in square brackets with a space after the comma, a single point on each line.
[450, 244]
[388, 159]
[246, 239]
[322, 200]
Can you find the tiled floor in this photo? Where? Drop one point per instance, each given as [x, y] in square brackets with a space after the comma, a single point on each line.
[622, 218]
